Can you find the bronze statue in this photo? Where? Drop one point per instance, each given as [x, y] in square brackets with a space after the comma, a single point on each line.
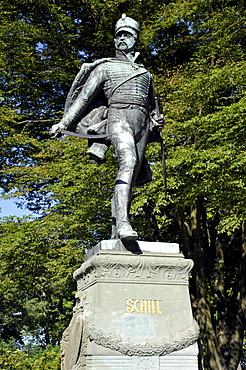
[112, 101]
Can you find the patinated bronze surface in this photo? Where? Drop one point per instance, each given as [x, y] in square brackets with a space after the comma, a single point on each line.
[115, 97]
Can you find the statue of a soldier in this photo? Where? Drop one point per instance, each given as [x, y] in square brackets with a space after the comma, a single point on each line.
[114, 98]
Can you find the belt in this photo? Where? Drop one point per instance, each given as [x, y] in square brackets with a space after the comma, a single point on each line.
[129, 106]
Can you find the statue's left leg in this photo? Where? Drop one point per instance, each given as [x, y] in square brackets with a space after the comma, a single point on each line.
[125, 150]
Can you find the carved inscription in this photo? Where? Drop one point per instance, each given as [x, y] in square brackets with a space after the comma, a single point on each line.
[143, 306]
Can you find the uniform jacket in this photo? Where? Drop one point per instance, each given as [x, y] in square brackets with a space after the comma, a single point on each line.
[95, 98]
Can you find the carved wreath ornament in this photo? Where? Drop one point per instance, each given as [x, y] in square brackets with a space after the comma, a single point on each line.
[130, 268]
[82, 327]
[142, 346]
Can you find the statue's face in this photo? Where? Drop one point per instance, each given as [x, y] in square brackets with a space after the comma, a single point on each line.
[125, 41]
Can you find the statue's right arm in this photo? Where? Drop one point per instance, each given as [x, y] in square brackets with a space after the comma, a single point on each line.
[90, 89]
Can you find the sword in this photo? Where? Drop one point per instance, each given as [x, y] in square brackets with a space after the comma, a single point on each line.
[162, 149]
[84, 136]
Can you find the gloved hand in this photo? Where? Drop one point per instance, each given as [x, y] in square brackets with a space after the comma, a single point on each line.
[55, 129]
[158, 120]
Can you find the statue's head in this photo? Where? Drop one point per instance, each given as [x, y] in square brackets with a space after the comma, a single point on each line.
[126, 34]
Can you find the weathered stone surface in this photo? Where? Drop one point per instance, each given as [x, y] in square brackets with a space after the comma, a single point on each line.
[184, 359]
[136, 247]
[131, 306]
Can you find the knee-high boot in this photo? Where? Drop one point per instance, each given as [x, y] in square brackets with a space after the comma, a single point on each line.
[121, 201]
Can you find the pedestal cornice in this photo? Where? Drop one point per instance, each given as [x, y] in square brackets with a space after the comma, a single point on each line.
[156, 268]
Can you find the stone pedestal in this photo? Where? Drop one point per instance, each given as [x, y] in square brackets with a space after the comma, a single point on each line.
[133, 311]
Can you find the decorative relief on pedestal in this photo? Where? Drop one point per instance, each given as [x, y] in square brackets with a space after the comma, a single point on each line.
[116, 268]
[82, 328]
[72, 338]
[142, 346]
[133, 268]
[146, 364]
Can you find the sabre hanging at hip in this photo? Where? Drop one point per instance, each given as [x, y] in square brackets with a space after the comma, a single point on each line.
[162, 149]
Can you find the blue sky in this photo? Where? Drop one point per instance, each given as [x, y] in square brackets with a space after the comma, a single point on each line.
[9, 208]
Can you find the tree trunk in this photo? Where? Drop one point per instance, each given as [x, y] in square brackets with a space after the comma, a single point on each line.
[147, 213]
[193, 243]
[237, 309]
[203, 312]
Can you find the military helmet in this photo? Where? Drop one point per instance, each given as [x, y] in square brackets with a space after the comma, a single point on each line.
[127, 24]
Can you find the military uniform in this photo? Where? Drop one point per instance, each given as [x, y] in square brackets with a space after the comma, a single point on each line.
[128, 99]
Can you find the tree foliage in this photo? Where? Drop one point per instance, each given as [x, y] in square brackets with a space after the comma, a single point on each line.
[13, 359]
[196, 52]
[36, 287]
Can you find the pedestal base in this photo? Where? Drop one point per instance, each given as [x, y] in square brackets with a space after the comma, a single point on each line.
[185, 359]
[133, 311]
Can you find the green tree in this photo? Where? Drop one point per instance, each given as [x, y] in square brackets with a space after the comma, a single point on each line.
[11, 360]
[48, 359]
[36, 286]
[204, 99]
